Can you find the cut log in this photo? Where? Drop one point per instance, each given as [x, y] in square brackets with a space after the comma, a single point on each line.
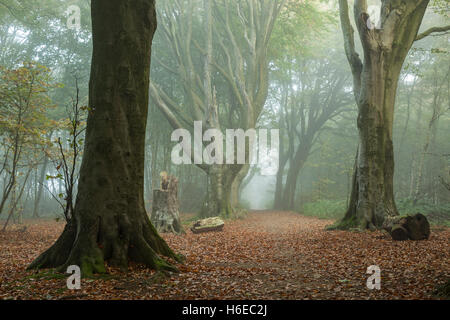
[165, 207]
[208, 225]
[399, 233]
[414, 227]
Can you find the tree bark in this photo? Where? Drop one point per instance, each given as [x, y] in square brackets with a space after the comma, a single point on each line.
[110, 223]
[41, 182]
[165, 207]
[375, 167]
[414, 227]
[294, 170]
[375, 87]
[218, 195]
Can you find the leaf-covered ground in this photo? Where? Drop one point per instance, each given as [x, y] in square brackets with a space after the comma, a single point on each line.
[269, 255]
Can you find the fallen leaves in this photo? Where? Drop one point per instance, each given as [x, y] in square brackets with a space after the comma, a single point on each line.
[269, 255]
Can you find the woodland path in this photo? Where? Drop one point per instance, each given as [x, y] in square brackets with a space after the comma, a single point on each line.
[268, 255]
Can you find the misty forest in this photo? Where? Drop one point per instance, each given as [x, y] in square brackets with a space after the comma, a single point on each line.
[225, 149]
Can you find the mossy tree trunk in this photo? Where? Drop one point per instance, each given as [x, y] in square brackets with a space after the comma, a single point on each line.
[219, 193]
[110, 223]
[375, 86]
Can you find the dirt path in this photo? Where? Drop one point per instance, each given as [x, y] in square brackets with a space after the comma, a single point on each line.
[269, 255]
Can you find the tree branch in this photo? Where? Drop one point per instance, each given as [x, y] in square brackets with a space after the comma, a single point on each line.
[432, 30]
[349, 45]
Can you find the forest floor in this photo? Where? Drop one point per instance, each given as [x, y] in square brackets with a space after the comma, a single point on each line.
[268, 255]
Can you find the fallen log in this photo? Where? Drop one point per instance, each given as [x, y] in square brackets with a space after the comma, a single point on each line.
[208, 225]
[403, 228]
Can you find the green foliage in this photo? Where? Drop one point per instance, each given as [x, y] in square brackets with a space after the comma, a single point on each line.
[345, 224]
[436, 214]
[300, 30]
[24, 125]
[25, 101]
[325, 209]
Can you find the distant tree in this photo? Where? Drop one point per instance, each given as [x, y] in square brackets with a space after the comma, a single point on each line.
[304, 114]
[224, 76]
[24, 123]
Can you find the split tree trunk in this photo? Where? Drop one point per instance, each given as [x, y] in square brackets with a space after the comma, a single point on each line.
[374, 172]
[219, 192]
[110, 223]
[375, 87]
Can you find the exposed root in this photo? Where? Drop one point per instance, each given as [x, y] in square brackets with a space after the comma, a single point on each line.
[84, 251]
[58, 253]
[143, 253]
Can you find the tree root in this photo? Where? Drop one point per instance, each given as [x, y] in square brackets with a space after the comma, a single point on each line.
[84, 251]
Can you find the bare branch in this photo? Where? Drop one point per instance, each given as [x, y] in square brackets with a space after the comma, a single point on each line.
[432, 30]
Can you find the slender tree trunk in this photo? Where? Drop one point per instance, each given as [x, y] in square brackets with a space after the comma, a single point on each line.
[15, 198]
[277, 203]
[284, 157]
[430, 141]
[412, 171]
[110, 223]
[9, 184]
[40, 182]
[154, 162]
[420, 169]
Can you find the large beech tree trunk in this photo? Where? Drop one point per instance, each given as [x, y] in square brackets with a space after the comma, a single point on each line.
[110, 223]
[375, 86]
[218, 195]
[374, 172]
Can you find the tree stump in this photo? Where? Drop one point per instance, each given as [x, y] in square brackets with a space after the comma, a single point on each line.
[414, 227]
[165, 208]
